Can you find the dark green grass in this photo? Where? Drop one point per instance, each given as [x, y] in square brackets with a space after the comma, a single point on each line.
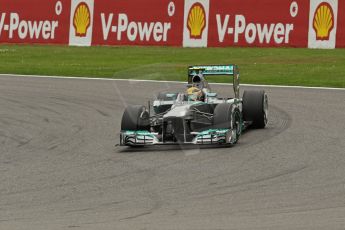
[277, 66]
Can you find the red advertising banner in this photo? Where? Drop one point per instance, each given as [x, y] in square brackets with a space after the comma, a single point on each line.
[34, 21]
[341, 25]
[150, 22]
[263, 23]
[187, 23]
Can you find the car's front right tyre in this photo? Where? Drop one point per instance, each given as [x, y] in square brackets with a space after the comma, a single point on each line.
[227, 116]
[134, 118]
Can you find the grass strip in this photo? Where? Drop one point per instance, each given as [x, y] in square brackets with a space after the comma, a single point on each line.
[272, 66]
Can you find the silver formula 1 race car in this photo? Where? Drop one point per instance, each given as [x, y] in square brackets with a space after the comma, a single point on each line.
[196, 116]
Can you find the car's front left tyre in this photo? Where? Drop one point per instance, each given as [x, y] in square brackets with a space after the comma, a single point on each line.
[255, 108]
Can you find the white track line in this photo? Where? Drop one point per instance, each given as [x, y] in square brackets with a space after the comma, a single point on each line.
[175, 82]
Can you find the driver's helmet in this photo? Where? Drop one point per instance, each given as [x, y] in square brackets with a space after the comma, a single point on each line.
[194, 93]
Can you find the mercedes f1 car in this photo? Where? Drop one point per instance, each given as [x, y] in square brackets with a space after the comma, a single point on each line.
[196, 116]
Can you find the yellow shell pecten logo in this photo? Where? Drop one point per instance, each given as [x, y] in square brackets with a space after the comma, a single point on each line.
[81, 19]
[196, 21]
[323, 21]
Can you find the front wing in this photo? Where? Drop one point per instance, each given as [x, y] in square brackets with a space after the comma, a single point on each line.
[210, 136]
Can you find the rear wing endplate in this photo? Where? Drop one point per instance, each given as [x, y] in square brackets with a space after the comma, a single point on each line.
[214, 70]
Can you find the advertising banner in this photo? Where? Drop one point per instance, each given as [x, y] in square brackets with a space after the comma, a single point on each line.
[341, 25]
[187, 23]
[150, 22]
[263, 23]
[34, 21]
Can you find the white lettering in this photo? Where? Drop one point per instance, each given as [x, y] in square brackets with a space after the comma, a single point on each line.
[279, 32]
[145, 31]
[264, 33]
[29, 29]
[22, 29]
[2, 21]
[55, 24]
[14, 22]
[222, 28]
[167, 27]
[240, 26]
[46, 30]
[250, 33]
[106, 25]
[141, 31]
[132, 31]
[123, 22]
[35, 29]
[289, 28]
[253, 32]
[158, 32]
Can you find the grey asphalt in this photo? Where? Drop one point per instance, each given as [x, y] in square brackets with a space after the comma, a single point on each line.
[60, 168]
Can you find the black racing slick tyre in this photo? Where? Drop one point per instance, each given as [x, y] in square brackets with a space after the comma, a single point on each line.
[255, 108]
[227, 116]
[222, 116]
[135, 117]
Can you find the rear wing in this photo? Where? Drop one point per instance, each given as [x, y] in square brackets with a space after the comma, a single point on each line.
[214, 70]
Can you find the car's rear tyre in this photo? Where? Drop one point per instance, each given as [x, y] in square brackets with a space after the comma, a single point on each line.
[135, 117]
[227, 116]
[255, 108]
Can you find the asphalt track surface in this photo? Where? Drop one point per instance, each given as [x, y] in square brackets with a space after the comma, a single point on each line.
[60, 168]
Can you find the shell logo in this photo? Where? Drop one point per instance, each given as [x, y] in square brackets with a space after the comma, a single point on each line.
[196, 21]
[81, 19]
[323, 21]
